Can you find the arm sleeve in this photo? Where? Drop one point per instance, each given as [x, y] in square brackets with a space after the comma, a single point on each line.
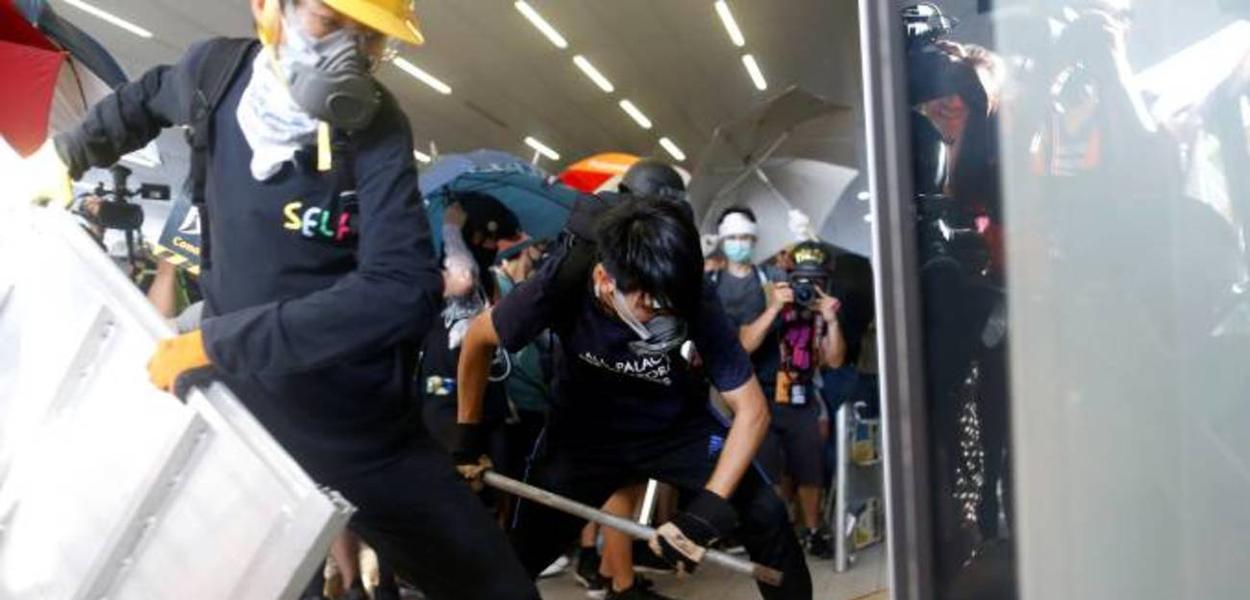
[716, 339]
[391, 296]
[132, 116]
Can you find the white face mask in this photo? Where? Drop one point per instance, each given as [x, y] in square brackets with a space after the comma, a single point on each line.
[621, 306]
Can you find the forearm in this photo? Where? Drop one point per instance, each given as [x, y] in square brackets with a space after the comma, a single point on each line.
[753, 334]
[746, 432]
[122, 122]
[474, 368]
[163, 291]
[833, 345]
[360, 315]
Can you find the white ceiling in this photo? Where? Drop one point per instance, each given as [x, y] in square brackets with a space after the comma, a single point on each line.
[672, 58]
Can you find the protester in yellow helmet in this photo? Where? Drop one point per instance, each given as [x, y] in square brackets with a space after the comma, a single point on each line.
[318, 268]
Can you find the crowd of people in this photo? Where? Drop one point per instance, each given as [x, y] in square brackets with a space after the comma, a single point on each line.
[397, 372]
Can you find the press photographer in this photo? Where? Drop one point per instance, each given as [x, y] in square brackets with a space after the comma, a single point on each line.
[789, 325]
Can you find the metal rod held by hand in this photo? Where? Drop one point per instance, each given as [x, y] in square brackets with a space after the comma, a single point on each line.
[762, 573]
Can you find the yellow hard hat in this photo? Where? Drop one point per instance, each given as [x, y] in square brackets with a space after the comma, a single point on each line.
[395, 18]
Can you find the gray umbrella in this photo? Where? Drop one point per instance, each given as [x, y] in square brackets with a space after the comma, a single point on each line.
[785, 155]
[778, 186]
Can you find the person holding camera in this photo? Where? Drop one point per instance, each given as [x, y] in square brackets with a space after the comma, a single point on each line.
[790, 328]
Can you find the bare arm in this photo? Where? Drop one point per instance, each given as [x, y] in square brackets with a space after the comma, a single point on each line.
[476, 353]
[750, 424]
[831, 344]
[163, 293]
[753, 334]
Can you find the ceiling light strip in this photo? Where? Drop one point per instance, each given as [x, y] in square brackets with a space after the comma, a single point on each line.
[421, 75]
[753, 69]
[542, 148]
[591, 72]
[731, 26]
[672, 149]
[110, 17]
[635, 114]
[541, 24]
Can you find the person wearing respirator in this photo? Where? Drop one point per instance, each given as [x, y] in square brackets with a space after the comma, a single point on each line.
[628, 406]
[319, 268]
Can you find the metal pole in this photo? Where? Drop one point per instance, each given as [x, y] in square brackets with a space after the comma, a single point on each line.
[648, 502]
[721, 559]
[900, 330]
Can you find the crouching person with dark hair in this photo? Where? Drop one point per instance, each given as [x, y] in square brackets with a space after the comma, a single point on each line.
[623, 295]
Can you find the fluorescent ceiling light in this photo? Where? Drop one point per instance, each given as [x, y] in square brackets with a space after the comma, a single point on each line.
[593, 73]
[110, 17]
[542, 148]
[672, 149]
[753, 69]
[421, 156]
[542, 24]
[637, 115]
[421, 75]
[731, 26]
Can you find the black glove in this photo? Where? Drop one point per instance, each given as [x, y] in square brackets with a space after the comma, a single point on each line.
[468, 450]
[683, 541]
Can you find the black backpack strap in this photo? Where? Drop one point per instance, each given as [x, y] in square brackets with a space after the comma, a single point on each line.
[580, 253]
[221, 62]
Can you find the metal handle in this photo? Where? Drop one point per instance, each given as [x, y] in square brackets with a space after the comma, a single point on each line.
[637, 530]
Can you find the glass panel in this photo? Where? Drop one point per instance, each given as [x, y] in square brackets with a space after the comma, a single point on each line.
[1082, 181]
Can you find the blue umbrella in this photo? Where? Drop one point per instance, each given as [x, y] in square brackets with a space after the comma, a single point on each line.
[540, 202]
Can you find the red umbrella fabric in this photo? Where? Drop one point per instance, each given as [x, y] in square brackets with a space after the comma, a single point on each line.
[29, 68]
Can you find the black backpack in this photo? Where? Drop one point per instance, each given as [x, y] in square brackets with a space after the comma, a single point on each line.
[578, 253]
[221, 63]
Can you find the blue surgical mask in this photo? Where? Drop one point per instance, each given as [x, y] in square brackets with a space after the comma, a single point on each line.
[738, 251]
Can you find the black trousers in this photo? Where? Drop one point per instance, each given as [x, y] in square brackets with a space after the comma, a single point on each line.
[590, 472]
[418, 513]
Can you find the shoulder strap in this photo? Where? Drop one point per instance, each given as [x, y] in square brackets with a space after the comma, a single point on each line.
[222, 60]
[580, 253]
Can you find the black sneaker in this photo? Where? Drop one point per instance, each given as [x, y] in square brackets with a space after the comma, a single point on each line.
[596, 585]
[587, 566]
[818, 543]
[645, 561]
[641, 590]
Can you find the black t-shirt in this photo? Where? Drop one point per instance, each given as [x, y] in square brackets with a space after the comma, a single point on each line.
[744, 301]
[604, 390]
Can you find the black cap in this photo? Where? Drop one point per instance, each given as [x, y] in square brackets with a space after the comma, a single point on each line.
[810, 259]
[649, 177]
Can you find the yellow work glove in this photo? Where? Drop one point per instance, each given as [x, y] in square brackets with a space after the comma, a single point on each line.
[175, 356]
[44, 178]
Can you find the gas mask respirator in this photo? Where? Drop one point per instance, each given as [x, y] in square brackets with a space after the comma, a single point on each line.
[329, 78]
[660, 335]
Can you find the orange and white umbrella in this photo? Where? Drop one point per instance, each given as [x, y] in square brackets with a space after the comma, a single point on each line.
[601, 172]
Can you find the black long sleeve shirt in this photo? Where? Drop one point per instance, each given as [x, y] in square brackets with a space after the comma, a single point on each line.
[304, 330]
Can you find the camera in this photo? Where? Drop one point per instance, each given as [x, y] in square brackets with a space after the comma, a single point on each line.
[805, 289]
[115, 210]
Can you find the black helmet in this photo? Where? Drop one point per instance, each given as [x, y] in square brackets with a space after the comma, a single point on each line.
[649, 177]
